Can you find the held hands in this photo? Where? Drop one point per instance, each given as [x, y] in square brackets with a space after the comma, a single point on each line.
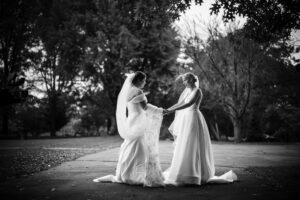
[166, 111]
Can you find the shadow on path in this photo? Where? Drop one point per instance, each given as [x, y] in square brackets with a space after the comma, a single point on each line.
[264, 172]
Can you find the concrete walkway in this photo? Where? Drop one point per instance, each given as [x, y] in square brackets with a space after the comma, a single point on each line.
[264, 171]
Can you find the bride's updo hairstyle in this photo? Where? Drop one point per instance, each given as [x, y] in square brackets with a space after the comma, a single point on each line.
[138, 77]
[190, 77]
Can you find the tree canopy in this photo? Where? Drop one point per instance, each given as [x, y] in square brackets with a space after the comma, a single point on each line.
[267, 21]
[78, 52]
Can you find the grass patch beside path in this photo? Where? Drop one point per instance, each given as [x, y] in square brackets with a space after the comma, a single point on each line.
[24, 157]
[275, 182]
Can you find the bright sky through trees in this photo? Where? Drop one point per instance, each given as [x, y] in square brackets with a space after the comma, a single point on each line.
[199, 16]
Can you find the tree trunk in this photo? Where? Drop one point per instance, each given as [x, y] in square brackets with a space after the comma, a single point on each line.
[237, 130]
[53, 117]
[215, 131]
[5, 109]
[53, 125]
[5, 117]
[113, 126]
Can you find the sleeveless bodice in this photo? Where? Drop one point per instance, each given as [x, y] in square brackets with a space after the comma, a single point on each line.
[194, 106]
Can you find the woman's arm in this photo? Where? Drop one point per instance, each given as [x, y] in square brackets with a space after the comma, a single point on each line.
[194, 98]
[181, 100]
[144, 105]
[175, 105]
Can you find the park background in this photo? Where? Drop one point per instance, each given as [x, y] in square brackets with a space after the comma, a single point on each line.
[62, 64]
[71, 58]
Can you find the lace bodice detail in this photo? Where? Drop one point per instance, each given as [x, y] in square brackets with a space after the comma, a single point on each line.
[134, 107]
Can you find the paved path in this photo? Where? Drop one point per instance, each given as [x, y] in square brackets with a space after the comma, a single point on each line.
[264, 171]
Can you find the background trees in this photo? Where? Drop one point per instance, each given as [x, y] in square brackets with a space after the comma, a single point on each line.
[228, 65]
[241, 67]
[16, 37]
[129, 36]
[61, 51]
[75, 54]
[267, 21]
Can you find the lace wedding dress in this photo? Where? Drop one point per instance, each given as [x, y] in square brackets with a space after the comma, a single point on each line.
[192, 161]
[138, 161]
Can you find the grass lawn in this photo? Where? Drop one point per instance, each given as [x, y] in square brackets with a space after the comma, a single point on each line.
[24, 157]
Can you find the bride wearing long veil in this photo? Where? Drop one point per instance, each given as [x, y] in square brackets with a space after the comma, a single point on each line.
[138, 124]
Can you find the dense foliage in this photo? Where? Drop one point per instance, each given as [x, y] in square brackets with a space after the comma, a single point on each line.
[75, 54]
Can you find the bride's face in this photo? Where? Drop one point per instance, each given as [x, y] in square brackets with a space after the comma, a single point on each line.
[142, 84]
[187, 83]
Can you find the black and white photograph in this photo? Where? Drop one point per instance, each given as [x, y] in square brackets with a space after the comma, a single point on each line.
[149, 99]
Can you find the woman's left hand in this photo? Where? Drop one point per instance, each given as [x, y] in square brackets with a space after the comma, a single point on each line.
[165, 112]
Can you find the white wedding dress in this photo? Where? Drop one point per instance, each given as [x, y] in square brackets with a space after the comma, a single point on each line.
[138, 161]
[192, 161]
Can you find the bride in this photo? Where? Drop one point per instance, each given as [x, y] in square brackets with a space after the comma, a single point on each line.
[193, 161]
[138, 161]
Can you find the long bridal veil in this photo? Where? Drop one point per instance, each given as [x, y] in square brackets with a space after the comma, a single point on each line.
[121, 116]
[150, 126]
[147, 125]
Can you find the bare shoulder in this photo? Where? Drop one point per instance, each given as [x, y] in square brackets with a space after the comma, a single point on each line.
[139, 91]
[135, 93]
[198, 93]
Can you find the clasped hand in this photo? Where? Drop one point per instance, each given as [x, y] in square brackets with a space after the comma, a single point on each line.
[166, 111]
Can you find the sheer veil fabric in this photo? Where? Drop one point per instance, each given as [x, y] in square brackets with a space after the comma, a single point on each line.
[138, 161]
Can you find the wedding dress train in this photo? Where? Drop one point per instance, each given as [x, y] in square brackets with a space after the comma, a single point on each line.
[193, 161]
[138, 161]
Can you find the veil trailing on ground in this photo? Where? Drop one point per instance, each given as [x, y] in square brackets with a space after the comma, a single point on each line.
[147, 127]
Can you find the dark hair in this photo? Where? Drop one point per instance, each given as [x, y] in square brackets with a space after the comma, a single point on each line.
[189, 76]
[138, 77]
